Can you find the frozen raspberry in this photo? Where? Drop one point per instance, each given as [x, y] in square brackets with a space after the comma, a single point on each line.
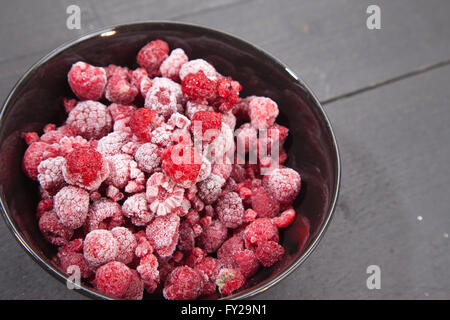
[35, 154]
[87, 82]
[229, 280]
[43, 206]
[114, 70]
[246, 139]
[112, 143]
[263, 203]
[177, 120]
[71, 205]
[135, 290]
[269, 253]
[120, 90]
[238, 173]
[182, 164]
[162, 136]
[206, 125]
[247, 262]
[113, 193]
[209, 190]
[222, 146]
[53, 230]
[143, 247]
[222, 168]
[227, 94]
[283, 184]
[284, 219]
[162, 100]
[230, 210]
[197, 65]
[136, 208]
[148, 269]
[50, 174]
[229, 119]
[104, 214]
[162, 194]
[197, 87]
[162, 233]
[119, 111]
[148, 157]
[55, 136]
[113, 279]
[152, 55]
[226, 252]
[205, 169]
[121, 166]
[100, 247]
[195, 256]
[30, 137]
[184, 283]
[170, 68]
[210, 268]
[69, 260]
[262, 112]
[260, 230]
[250, 215]
[143, 121]
[186, 239]
[69, 104]
[212, 236]
[192, 108]
[171, 86]
[90, 119]
[137, 75]
[127, 244]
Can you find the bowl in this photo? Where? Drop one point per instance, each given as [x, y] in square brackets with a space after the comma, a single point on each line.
[37, 97]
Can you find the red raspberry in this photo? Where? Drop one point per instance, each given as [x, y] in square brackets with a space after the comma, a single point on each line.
[148, 157]
[210, 268]
[226, 252]
[120, 90]
[43, 206]
[263, 203]
[162, 233]
[152, 55]
[263, 112]
[212, 236]
[90, 119]
[136, 208]
[246, 139]
[50, 174]
[85, 167]
[113, 70]
[100, 247]
[269, 253]
[283, 184]
[206, 221]
[53, 230]
[104, 214]
[227, 94]
[195, 256]
[206, 125]
[113, 278]
[284, 219]
[184, 283]
[197, 65]
[230, 210]
[119, 111]
[148, 269]
[209, 190]
[186, 240]
[229, 280]
[238, 173]
[69, 104]
[182, 164]
[135, 290]
[260, 230]
[74, 259]
[30, 137]
[163, 195]
[87, 82]
[35, 154]
[137, 75]
[124, 173]
[161, 99]
[170, 68]
[142, 122]
[112, 143]
[71, 204]
[250, 215]
[197, 87]
[247, 262]
[192, 108]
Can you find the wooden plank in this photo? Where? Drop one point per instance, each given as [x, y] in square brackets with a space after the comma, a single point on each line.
[395, 161]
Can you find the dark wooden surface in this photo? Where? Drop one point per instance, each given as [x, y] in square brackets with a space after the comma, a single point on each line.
[393, 135]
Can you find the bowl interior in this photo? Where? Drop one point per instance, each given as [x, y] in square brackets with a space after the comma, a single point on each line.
[37, 100]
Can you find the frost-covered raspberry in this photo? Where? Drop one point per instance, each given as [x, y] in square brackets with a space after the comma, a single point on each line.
[113, 279]
[100, 247]
[104, 214]
[230, 210]
[263, 112]
[90, 119]
[87, 82]
[212, 236]
[186, 240]
[123, 170]
[283, 184]
[246, 138]
[226, 94]
[162, 194]
[50, 174]
[260, 230]
[71, 204]
[35, 154]
[120, 90]
[112, 143]
[143, 121]
[163, 96]
[205, 170]
[192, 108]
[162, 234]
[197, 87]
[135, 290]
[269, 253]
[53, 230]
[120, 111]
[222, 145]
[229, 280]
[148, 270]
[68, 144]
[127, 244]
[148, 157]
[182, 164]
[206, 125]
[152, 55]
[170, 68]
[184, 283]
[136, 208]
[69, 260]
[264, 204]
[284, 219]
[196, 65]
[247, 261]
[210, 268]
[226, 252]
[209, 190]
[85, 167]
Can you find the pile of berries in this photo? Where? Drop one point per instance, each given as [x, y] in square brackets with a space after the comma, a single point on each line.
[137, 188]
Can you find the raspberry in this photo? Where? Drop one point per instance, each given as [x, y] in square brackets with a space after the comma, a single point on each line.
[68, 144]
[119, 111]
[197, 65]
[137, 75]
[212, 236]
[210, 189]
[263, 203]
[30, 137]
[230, 210]
[136, 208]
[35, 154]
[170, 68]
[57, 135]
[186, 239]
[53, 230]
[227, 94]
[229, 280]
[177, 120]
[210, 268]
[246, 139]
[197, 87]
[262, 112]
[192, 108]
[43, 206]
[269, 253]
[226, 252]
[222, 168]
[152, 55]
[104, 214]
[90, 119]
[162, 194]
[113, 70]
[283, 184]
[238, 173]
[69, 104]
[262, 229]
[162, 233]
[85, 167]
[127, 244]
[142, 122]
[183, 283]
[221, 146]
[113, 279]
[162, 100]
[206, 125]
[195, 256]
[250, 215]
[229, 119]
[100, 247]
[86, 81]
[112, 143]
[71, 204]
[123, 169]
[148, 157]
[135, 290]
[247, 262]
[182, 164]
[114, 194]
[148, 269]
[74, 259]
[120, 90]
[284, 219]
[50, 174]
